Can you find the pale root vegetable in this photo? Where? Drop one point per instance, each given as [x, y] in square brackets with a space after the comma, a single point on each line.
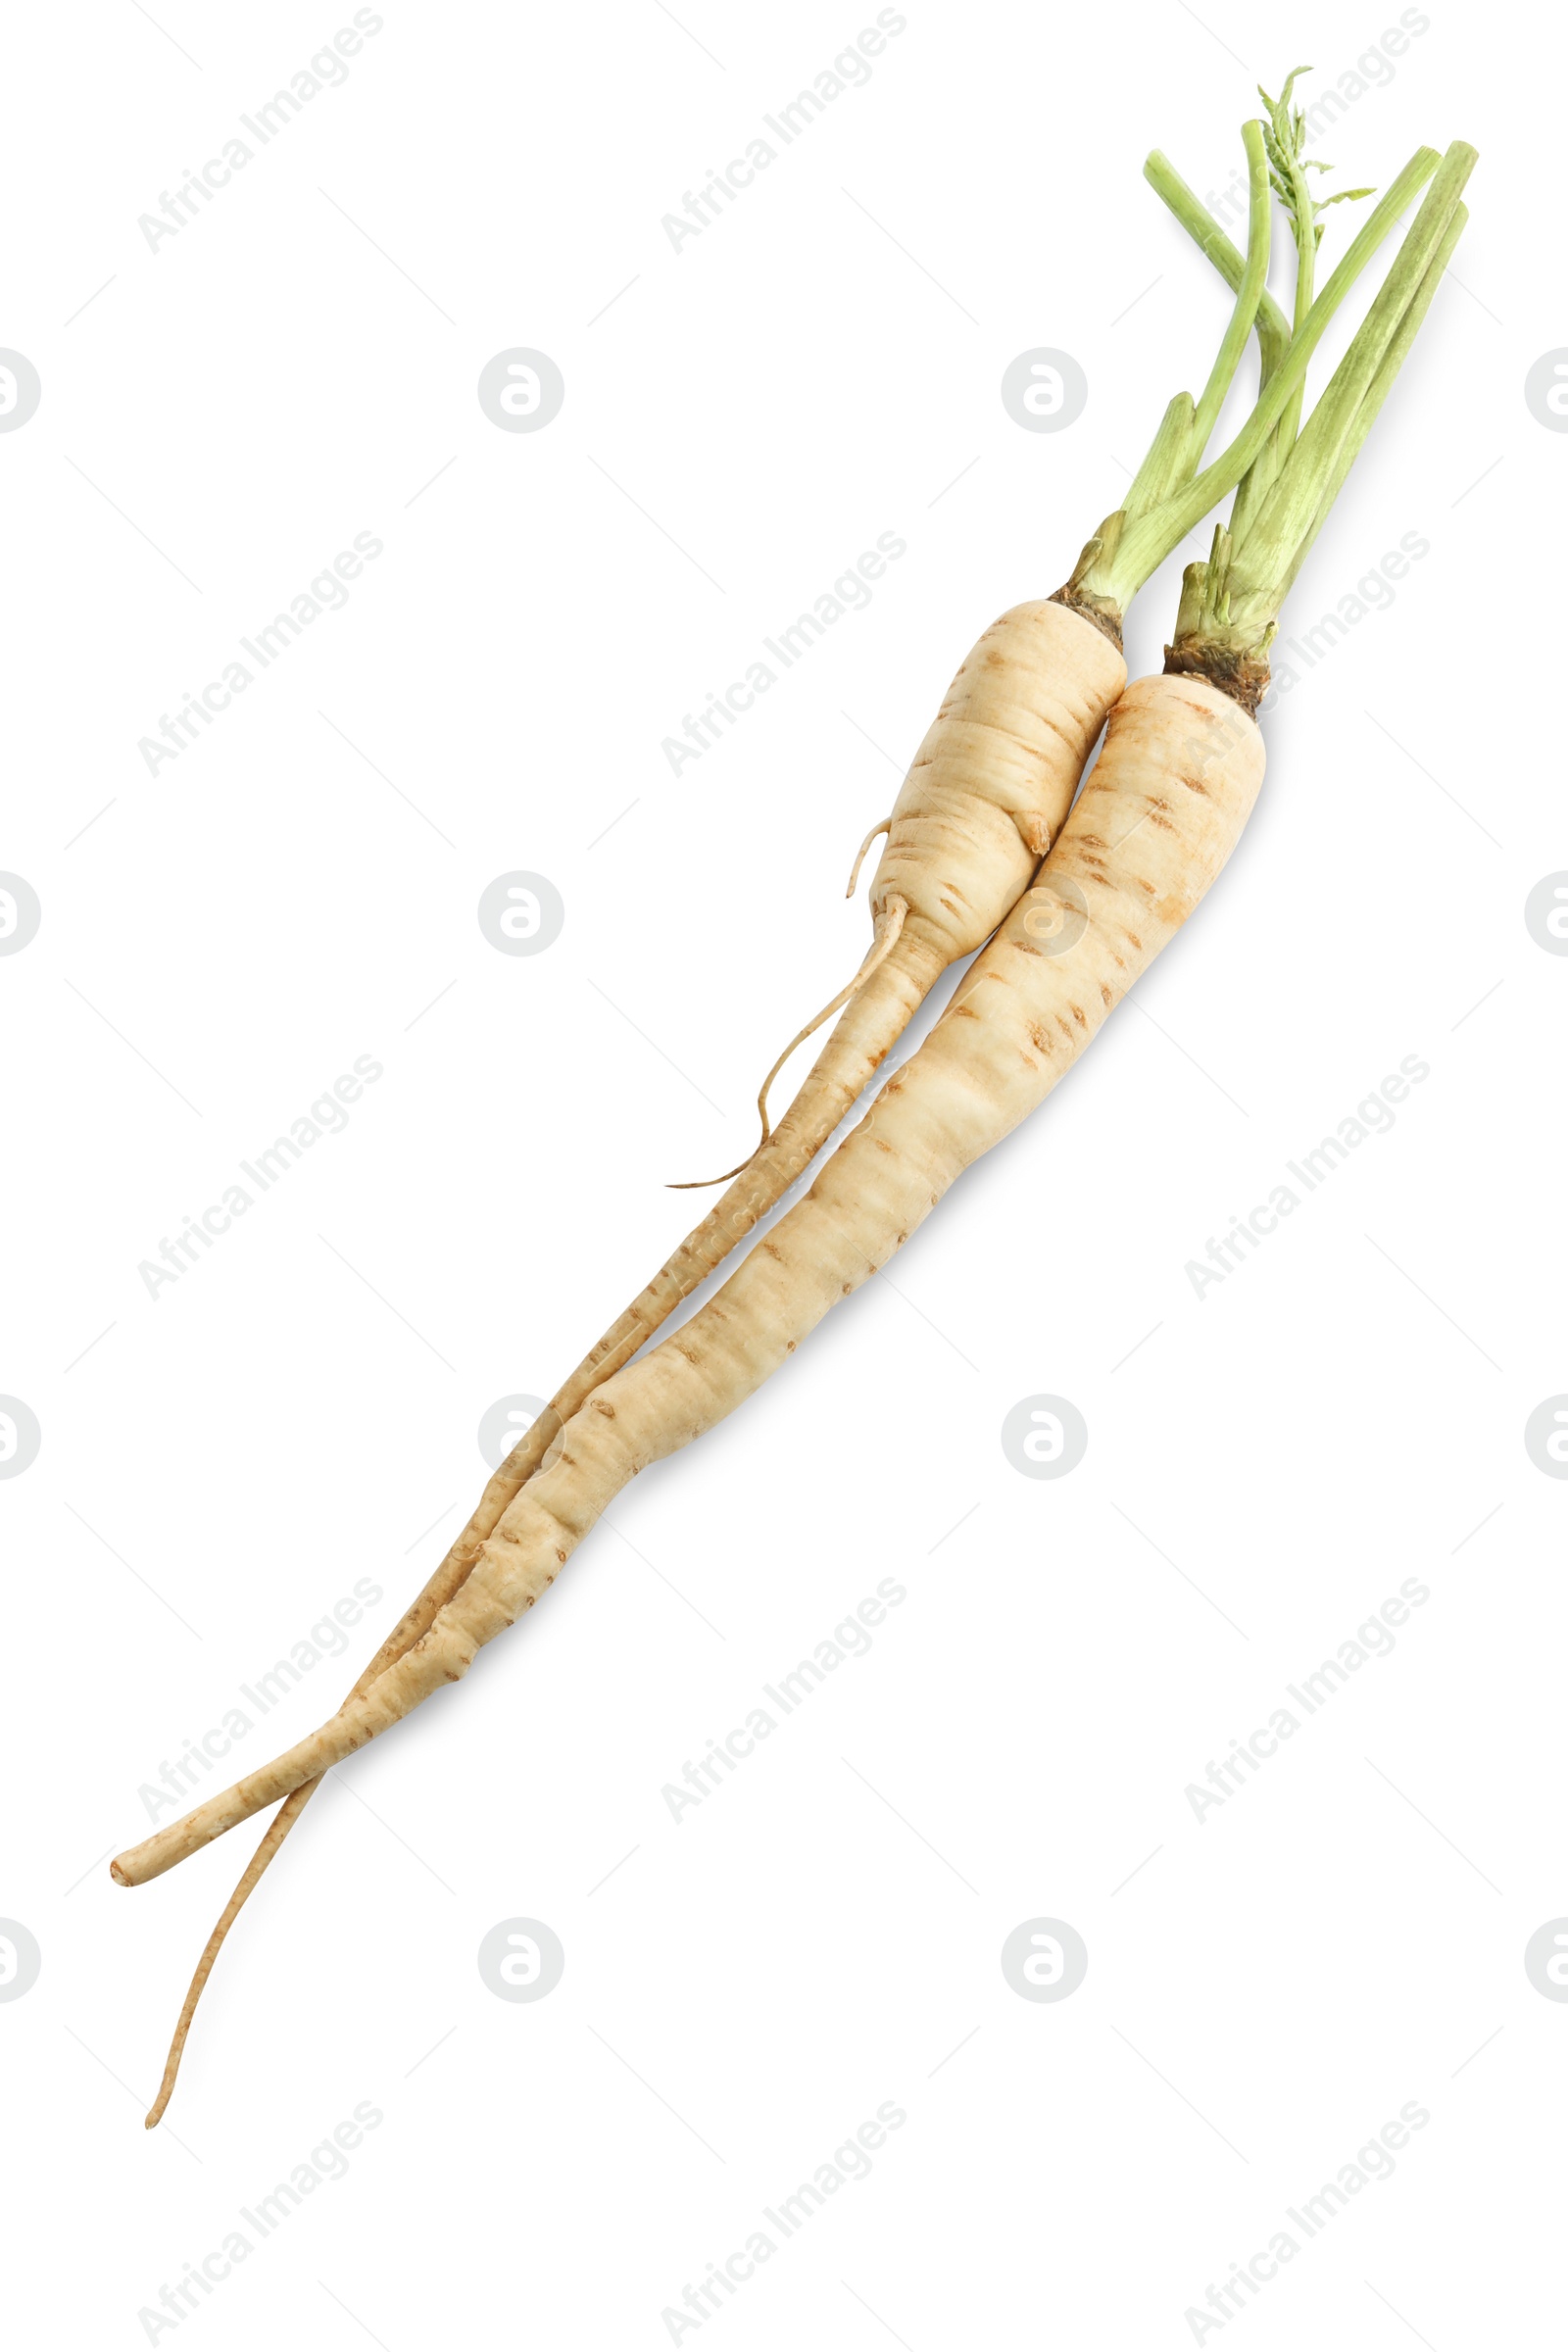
[988, 788]
[941, 800]
[452, 1608]
[1154, 823]
[985, 793]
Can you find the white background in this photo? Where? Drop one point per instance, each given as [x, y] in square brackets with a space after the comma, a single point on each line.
[1265, 1464]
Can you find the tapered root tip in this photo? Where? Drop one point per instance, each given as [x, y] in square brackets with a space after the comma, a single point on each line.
[155, 2113]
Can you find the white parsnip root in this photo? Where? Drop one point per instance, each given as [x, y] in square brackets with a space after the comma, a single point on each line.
[1036, 684]
[986, 796]
[991, 782]
[1156, 820]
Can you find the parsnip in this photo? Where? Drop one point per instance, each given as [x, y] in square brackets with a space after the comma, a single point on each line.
[1159, 814]
[1181, 767]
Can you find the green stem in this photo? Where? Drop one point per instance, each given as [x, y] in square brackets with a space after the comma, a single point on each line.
[1110, 577]
[1273, 327]
[1264, 560]
[1179, 442]
[1305, 249]
[1184, 429]
[1377, 392]
[1249, 291]
[1298, 200]
[1263, 473]
[1166, 465]
[1230, 604]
